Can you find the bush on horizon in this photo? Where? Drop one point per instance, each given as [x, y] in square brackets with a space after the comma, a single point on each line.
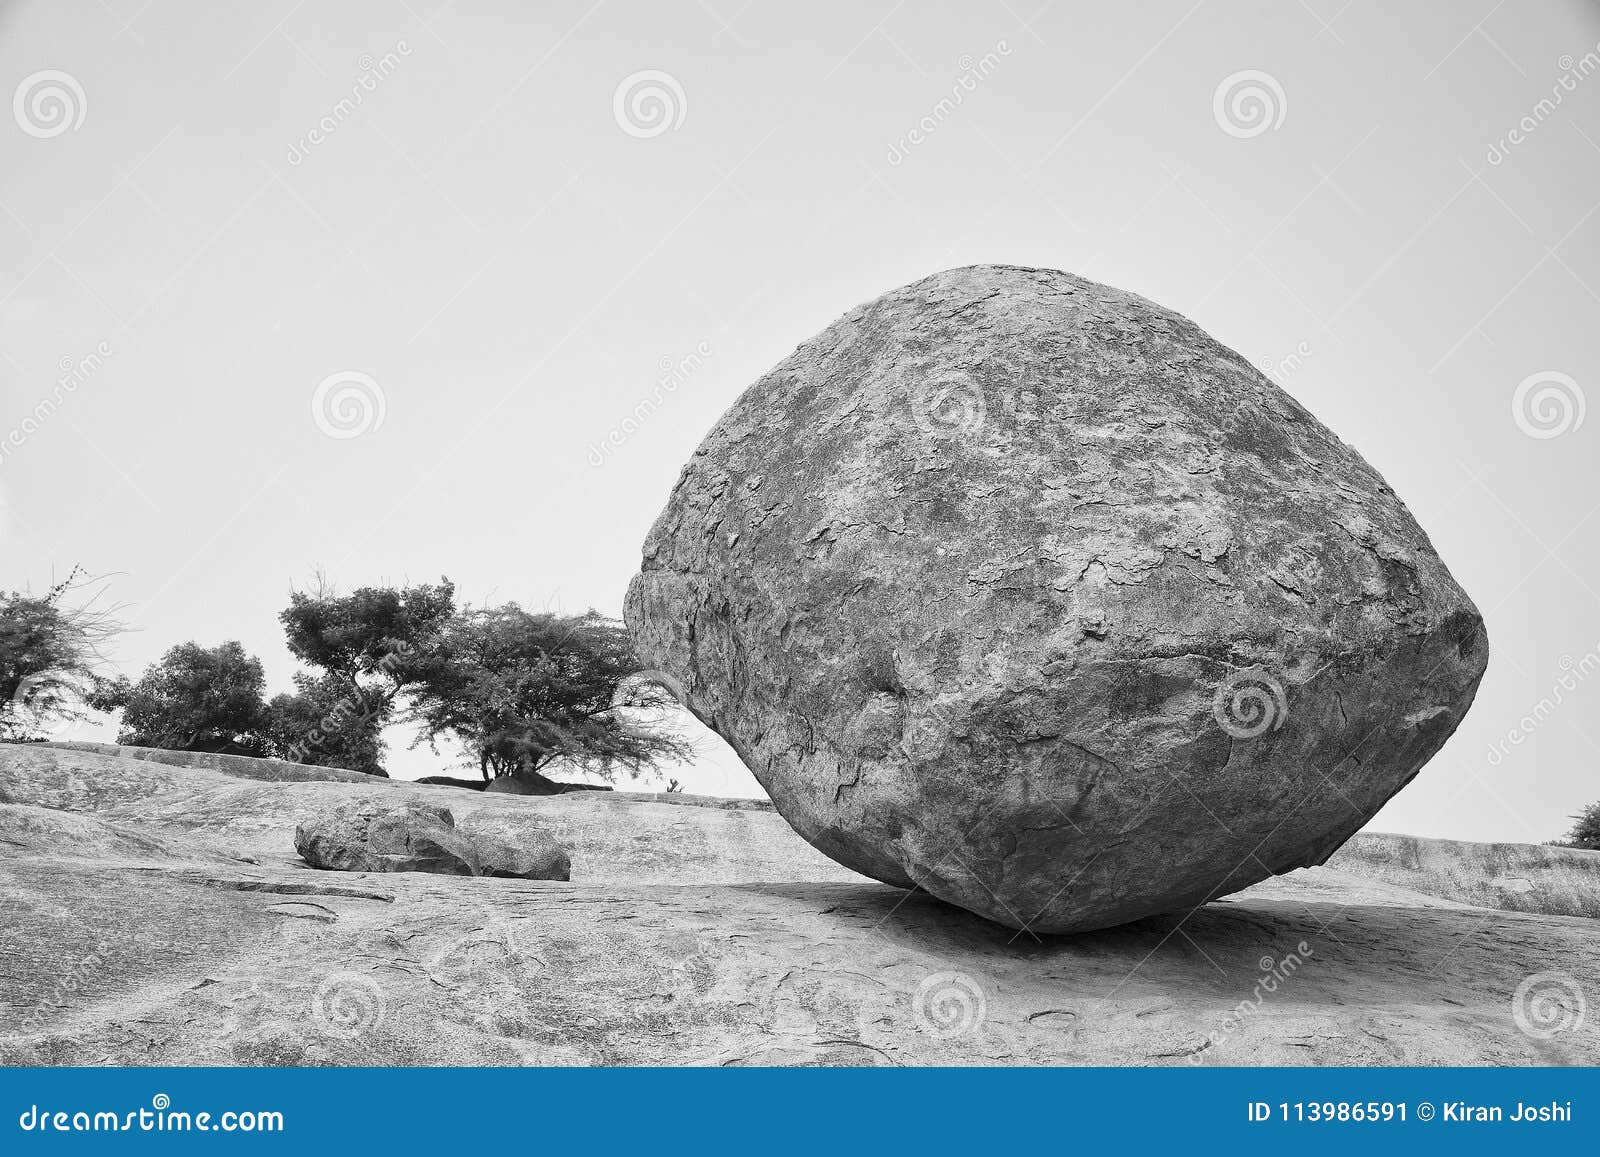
[1585, 831]
[517, 690]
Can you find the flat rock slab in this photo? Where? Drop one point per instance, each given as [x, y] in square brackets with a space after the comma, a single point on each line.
[134, 936]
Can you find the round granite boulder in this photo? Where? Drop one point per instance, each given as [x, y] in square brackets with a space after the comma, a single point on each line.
[1025, 591]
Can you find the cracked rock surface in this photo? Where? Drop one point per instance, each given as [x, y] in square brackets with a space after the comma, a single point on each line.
[1025, 591]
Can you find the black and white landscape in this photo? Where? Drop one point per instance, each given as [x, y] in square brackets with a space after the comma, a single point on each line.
[626, 534]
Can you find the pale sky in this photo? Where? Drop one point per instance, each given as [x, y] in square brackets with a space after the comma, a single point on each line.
[503, 247]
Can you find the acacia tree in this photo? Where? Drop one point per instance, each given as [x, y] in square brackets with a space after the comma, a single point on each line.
[194, 699]
[368, 645]
[520, 690]
[51, 647]
[1585, 829]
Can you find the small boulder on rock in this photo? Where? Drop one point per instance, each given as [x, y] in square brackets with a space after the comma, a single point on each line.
[367, 837]
[531, 855]
[418, 837]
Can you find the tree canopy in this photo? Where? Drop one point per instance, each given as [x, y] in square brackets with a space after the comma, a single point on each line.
[195, 699]
[323, 724]
[368, 645]
[371, 637]
[520, 690]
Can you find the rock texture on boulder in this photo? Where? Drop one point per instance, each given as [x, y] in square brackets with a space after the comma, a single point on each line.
[372, 836]
[1024, 590]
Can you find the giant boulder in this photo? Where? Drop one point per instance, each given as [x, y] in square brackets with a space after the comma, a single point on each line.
[1025, 591]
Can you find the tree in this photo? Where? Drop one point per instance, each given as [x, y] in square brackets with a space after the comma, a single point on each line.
[322, 724]
[369, 645]
[520, 690]
[1585, 829]
[50, 649]
[195, 699]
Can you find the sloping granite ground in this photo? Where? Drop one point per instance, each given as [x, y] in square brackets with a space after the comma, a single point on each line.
[157, 914]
